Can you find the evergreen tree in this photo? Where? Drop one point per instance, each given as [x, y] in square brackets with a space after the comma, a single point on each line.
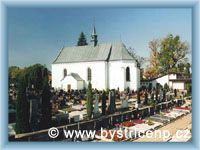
[164, 95]
[175, 92]
[157, 93]
[89, 100]
[146, 98]
[138, 96]
[103, 103]
[166, 87]
[82, 40]
[22, 107]
[46, 105]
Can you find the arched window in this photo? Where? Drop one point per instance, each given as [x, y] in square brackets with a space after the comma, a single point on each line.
[127, 74]
[65, 73]
[89, 74]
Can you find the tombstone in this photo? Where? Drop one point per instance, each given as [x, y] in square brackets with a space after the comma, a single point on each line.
[136, 105]
[152, 95]
[156, 96]
[164, 95]
[175, 92]
[34, 105]
[76, 118]
[77, 100]
[62, 118]
[161, 96]
[112, 106]
[62, 103]
[138, 96]
[146, 98]
[96, 112]
[103, 103]
[124, 102]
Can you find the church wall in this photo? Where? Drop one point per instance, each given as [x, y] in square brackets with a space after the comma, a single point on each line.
[97, 67]
[117, 75]
[69, 80]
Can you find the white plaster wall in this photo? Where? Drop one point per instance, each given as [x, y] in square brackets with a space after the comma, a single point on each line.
[98, 73]
[161, 80]
[172, 76]
[69, 80]
[80, 85]
[164, 79]
[170, 84]
[104, 74]
[117, 75]
[178, 85]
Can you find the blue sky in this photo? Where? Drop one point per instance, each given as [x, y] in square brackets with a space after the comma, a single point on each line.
[36, 35]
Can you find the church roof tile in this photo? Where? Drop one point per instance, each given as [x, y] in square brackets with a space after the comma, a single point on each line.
[101, 52]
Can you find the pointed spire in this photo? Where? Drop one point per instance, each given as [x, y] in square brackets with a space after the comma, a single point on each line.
[94, 35]
[94, 31]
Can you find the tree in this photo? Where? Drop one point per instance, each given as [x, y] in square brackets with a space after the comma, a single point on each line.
[166, 87]
[140, 60]
[14, 73]
[138, 96]
[164, 95]
[157, 88]
[146, 98]
[175, 92]
[22, 107]
[89, 100]
[153, 59]
[103, 103]
[82, 40]
[172, 52]
[46, 105]
[167, 55]
[188, 66]
[149, 87]
[35, 76]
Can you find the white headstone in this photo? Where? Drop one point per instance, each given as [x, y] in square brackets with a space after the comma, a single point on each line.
[124, 102]
[96, 104]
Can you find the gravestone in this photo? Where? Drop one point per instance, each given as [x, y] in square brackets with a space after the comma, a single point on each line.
[76, 118]
[34, 106]
[124, 102]
[146, 97]
[112, 106]
[161, 96]
[103, 103]
[96, 112]
[62, 118]
[77, 100]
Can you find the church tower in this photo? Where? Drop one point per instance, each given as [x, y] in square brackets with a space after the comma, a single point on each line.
[94, 37]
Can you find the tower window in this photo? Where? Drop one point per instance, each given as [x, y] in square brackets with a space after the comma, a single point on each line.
[89, 74]
[127, 74]
[65, 73]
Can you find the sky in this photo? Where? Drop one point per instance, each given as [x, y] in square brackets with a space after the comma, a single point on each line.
[36, 35]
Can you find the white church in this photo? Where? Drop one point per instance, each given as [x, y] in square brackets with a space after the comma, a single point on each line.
[106, 66]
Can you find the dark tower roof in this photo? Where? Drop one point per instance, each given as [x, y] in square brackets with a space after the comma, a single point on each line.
[94, 37]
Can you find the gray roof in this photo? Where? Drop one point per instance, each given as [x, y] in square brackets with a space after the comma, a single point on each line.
[76, 76]
[101, 52]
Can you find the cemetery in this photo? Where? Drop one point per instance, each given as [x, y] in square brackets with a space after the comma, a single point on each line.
[135, 111]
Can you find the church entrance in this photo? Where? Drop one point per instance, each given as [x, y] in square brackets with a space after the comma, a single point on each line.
[69, 87]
